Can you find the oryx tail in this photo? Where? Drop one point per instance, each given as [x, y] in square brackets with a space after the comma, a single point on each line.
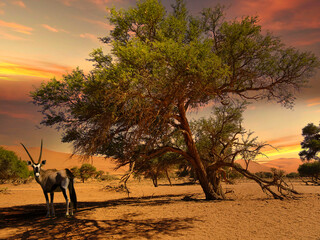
[72, 191]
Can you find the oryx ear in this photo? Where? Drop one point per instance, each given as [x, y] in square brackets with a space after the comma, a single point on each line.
[29, 163]
[43, 162]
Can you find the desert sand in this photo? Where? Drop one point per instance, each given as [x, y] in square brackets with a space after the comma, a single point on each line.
[165, 212]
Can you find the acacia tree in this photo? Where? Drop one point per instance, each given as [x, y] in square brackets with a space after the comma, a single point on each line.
[311, 149]
[311, 143]
[135, 101]
[156, 167]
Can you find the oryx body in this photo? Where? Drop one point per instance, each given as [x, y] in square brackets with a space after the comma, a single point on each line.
[53, 180]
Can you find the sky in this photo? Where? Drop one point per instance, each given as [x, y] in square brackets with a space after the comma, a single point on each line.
[42, 39]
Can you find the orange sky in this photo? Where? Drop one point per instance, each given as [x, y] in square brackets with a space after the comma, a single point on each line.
[42, 39]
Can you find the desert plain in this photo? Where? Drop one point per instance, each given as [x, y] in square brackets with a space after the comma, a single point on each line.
[165, 212]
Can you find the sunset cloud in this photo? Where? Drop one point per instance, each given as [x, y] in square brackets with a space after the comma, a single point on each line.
[287, 145]
[12, 70]
[26, 116]
[68, 2]
[52, 29]
[313, 102]
[16, 27]
[8, 36]
[89, 36]
[1, 8]
[19, 4]
[282, 15]
[102, 24]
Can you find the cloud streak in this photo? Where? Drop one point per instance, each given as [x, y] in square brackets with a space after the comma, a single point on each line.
[52, 29]
[102, 24]
[90, 36]
[1, 6]
[12, 69]
[282, 15]
[16, 27]
[313, 102]
[8, 36]
[19, 4]
[282, 146]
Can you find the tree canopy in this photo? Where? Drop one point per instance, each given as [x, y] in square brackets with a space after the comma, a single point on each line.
[311, 142]
[133, 105]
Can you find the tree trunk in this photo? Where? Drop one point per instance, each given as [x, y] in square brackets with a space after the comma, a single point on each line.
[211, 187]
[155, 181]
[211, 191]
[167, 174]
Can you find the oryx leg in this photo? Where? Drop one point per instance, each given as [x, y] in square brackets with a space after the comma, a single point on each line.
[47, 201]
[67, 200]
[52, 207]
[71, 204]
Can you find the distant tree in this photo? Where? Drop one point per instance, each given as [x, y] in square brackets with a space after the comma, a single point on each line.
[311, 143]
[264, 174]
[162, 65]
[310, 171]
[233, 174]
[87, 171]
[311, 148]
[99, 174]
[293, 175]
[11, 167]
[157, 167]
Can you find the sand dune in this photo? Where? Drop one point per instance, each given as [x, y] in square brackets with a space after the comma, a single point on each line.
[254, 166]
[287, 164]
[63, 160]
[60, 160]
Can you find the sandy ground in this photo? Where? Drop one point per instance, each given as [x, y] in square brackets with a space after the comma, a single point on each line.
[160, 213]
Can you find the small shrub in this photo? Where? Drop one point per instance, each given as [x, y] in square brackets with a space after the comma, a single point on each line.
[108, 177]
[11, 167]
[87, 171]
[292, 175]
[264, 174]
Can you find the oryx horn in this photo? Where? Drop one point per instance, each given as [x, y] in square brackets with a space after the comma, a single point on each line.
[40, 151]
[27, 152]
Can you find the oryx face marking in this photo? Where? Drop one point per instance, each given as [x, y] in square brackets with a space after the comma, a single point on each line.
[36, 169]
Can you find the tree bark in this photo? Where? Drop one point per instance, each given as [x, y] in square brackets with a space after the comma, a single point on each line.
[211, 191]
[155, 181]
[167, 175]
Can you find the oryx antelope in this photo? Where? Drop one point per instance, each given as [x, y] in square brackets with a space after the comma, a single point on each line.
[53, 180]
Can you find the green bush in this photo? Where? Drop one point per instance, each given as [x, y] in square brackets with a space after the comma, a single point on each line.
[108, 177]
[310, 170]
[75, 171]
[292, 175]
[11, 167]
[87, 171]
[264, 174]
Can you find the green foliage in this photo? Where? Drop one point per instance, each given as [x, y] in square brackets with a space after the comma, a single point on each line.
[11, 167]
[87, 171]
[99, 174]
[292, 175]
[311, 142]
[75, 171]
[108, 177]
[156, 168]
[264, 174]
[233, 174]
[310, 169]
[133, 104]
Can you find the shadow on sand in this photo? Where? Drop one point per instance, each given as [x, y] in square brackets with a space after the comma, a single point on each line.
[29, 221]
